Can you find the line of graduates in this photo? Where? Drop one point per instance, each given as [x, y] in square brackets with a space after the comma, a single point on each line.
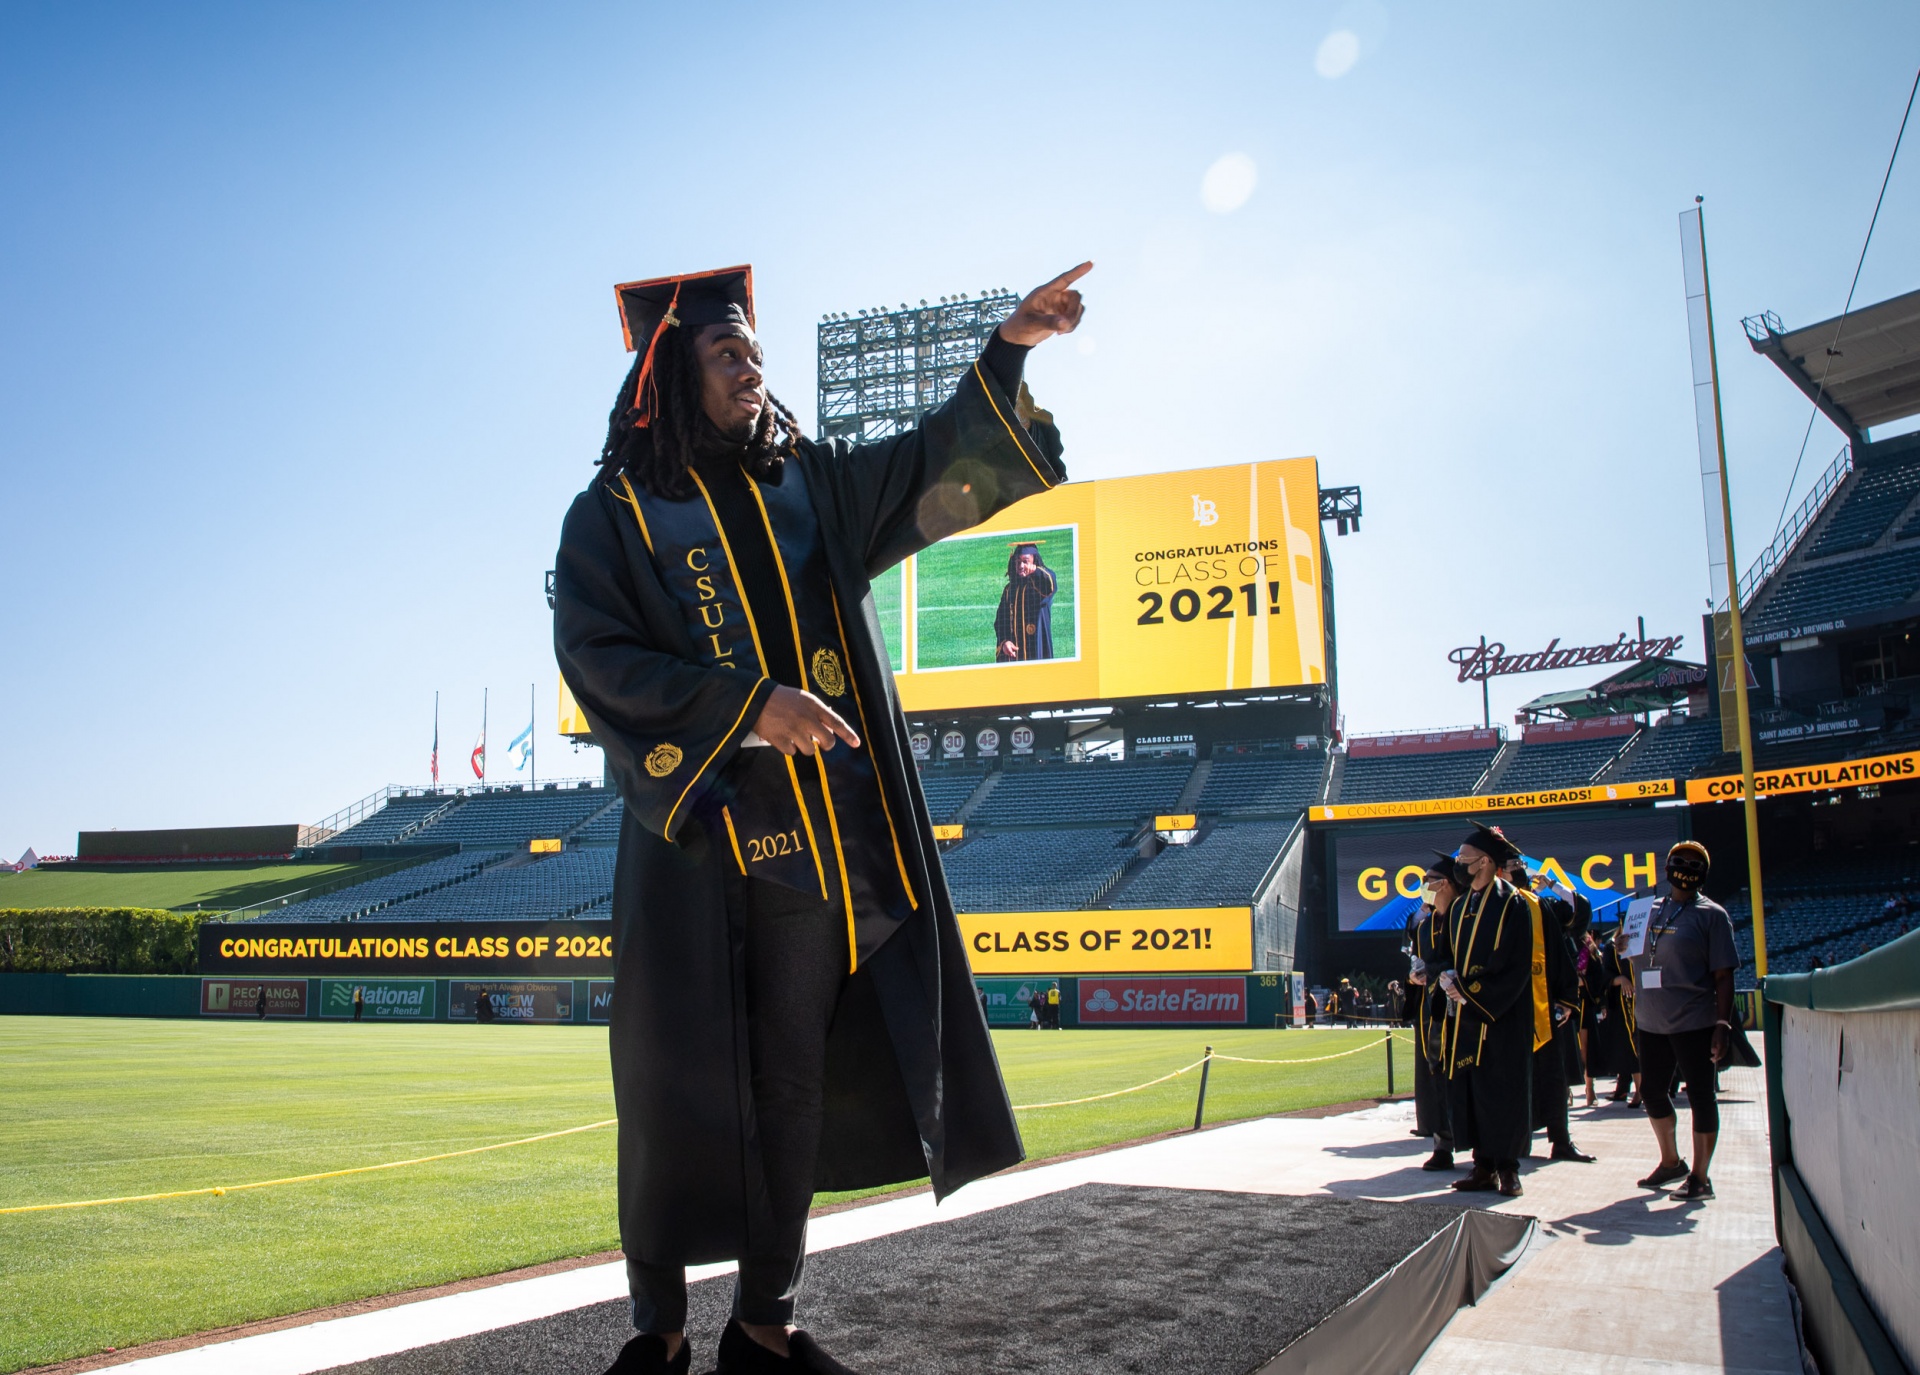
[1499, 996]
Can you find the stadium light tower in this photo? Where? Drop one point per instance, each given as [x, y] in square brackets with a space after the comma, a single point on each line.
[882, 370]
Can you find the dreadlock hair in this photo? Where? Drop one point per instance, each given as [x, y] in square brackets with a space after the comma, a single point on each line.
[660, 456]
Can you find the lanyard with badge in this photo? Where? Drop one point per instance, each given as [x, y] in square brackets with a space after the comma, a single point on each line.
[1650, 976]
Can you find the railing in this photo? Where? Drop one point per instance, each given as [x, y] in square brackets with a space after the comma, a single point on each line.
[1776, 553]
[355, 812]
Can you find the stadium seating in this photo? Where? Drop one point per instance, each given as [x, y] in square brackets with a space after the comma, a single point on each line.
[382, 891]
[1880, 492]
[1672, 749]
[514, 818]
[1563, 764]
[1221, 869]
[1390, 777]
[1809, 592]
[572, 883]
[1035, 871]
[605, 828]
[390, 820]
[947, 786]
[1289, 783]
[1099, 790]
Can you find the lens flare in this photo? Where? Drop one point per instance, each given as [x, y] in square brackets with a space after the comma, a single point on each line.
[1228, 183]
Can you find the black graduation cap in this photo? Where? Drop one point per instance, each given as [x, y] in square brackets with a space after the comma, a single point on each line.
[1492, 842]
[1448, 867]
[694, 299]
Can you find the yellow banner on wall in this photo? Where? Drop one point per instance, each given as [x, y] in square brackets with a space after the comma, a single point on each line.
[1643, 790]
[1201, 581]
[573, 721]
[1851, 773]
[1214, 939]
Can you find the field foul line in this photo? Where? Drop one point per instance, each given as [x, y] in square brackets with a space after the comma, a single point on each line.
[223, 1189]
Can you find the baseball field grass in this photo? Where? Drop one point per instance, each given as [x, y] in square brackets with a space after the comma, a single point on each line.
[106, 1108]
[217, 887]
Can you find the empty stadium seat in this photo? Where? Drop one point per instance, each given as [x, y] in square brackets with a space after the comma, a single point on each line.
[1095, 791]
[514, 818]
[386, 889]
[1820, 591]
[1222, 869]
[390, 820]
[948, 786]
[1289, 783]
[1035, 871]
[1672, 749]
[1562, 764]
[1879, 492]
[577, 883]
[1391, 777]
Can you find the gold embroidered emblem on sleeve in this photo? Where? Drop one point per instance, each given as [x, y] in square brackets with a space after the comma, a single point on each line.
[663, 760]
[827, 672]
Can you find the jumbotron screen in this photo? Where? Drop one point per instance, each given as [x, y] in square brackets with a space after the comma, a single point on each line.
[1200, 581]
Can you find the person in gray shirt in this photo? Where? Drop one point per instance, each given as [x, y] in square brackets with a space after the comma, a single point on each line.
[1683, 991]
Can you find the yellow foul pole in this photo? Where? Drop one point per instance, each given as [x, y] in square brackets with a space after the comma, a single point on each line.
[1737, 635]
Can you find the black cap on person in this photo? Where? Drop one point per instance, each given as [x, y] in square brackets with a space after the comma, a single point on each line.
[691, 300]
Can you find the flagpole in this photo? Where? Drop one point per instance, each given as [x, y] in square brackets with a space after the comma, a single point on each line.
[483, 734]
[434, 767]
[533, 741]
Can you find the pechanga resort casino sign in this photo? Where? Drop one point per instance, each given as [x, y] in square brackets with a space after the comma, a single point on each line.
[1477, 663]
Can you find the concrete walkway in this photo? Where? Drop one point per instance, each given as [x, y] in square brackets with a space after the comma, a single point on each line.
[1622, 1280]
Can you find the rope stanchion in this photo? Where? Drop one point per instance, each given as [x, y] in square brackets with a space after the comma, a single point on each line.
[222, 1189]
[1095, 1098]
[1310, 1060]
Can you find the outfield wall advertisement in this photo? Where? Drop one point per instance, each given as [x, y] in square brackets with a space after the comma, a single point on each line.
[1199, 581]
[554, 949]
[381, 1000]
[1377, 871]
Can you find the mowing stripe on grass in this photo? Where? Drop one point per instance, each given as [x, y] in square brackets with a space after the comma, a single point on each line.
[223, 1189]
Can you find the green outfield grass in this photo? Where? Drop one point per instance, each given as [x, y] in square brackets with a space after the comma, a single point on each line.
[217, 887]
[957, 586]
[888, 605]
[106, 1108]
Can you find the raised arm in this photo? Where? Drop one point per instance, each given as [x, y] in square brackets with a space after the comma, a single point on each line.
[970, 458]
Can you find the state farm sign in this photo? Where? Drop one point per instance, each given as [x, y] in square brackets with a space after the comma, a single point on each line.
[1135, 1001]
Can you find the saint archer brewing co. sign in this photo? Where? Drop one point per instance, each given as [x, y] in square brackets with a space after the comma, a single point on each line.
[1477, 663]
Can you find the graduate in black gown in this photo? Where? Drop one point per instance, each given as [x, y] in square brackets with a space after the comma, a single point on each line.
[1552, 1083]
[793, 1008]
[1023, 622]
[1429, 953]
[1500, 1015]
[1612, 1048]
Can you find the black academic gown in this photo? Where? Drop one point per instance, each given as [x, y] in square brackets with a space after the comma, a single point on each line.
[1428, 1008]
[913, 1088]
[1561, 987]
[1024, 618]
[1491, 1037]
[1611, 1049]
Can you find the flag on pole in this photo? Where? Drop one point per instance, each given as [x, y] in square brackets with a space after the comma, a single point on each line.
[521, 750]
[479, 757]
[433, 765]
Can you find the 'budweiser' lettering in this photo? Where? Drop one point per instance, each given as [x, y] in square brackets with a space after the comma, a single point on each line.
[1491, 660]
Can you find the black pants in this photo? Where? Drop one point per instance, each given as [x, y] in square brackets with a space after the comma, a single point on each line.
[1667, 1059]
[796, 968]
[1550, 1093]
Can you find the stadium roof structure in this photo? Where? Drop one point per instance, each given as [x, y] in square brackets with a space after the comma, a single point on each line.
[1861, 370]
[1648, 685]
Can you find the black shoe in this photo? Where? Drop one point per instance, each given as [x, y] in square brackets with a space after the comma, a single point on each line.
[646, 1354]
[1479, 1182]
[1566, 1150]
[1695, 1190]
[1439, 1160]
[740, 1354]
[1508, 1182]
[1665, 1174]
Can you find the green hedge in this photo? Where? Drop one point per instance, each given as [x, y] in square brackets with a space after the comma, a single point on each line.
[98, 940]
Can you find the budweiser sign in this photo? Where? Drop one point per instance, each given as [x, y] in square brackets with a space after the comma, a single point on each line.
[1477, 663]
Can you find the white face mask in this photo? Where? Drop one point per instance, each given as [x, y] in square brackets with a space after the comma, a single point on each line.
[1428, 898]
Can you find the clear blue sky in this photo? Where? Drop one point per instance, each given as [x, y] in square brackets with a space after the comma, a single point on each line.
[306, 337]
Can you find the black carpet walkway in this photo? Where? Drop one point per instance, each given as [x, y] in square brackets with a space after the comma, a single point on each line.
[1098, 1278]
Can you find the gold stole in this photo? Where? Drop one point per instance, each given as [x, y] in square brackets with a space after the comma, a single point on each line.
[1542, 1007]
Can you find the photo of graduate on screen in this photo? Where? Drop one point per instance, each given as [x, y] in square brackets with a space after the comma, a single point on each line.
[1023, 624]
